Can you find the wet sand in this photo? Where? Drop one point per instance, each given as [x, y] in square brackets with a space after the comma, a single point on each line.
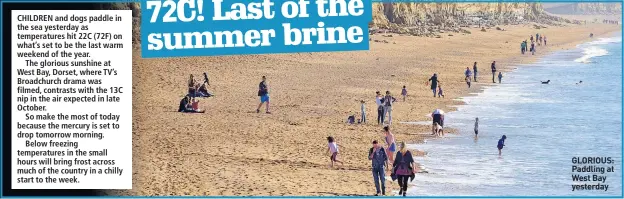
[231, 150]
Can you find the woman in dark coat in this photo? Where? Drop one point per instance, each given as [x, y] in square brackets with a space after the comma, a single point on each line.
[403, 167]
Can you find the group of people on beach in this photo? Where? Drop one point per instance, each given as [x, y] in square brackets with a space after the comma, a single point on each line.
[189, 104]
[403, 166]
[470, 75]
[610, 21]
[539, 39]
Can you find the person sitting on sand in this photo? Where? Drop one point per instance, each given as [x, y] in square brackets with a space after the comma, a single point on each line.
[195, 105]
[501, 144]
[404, 167]
[192, 86]
[183, 103]
[189, 105]
[500, 77]
[379, 159]
[263, 92]
[440, 93]
[351, 119]
[390, 142]
[332, 148]
[404, 93]
[434, 83]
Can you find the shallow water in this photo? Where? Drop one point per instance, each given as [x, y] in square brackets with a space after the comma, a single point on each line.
[546, 126]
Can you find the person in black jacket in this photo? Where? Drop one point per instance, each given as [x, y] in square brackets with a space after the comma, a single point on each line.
[493, 72]
[474, 70]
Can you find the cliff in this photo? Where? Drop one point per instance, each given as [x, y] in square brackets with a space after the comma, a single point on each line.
[425, 19]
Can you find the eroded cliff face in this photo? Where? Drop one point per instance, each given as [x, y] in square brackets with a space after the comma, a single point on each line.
[425, 19]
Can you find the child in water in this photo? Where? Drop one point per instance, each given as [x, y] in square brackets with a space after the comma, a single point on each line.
[501, 144]
[333, 149]
[404, 93]
[440, 91]
[476, 128]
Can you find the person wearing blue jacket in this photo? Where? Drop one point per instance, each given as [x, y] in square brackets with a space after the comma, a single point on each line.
[501, 144]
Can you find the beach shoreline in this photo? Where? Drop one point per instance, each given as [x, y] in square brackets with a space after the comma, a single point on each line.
[525, 129]
[232, 150]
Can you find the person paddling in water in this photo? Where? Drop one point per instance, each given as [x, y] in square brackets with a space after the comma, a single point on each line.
[263, 92]
[501, 144]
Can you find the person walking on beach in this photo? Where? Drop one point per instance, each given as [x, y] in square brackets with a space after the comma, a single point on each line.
[363, 109]
[379, 159]
[531, 38]
[474, 69]
[263, 92]
[493, 71]
[545, 41]
[532, 48]
[438, 118]
[434, 83]
[501, 144]
[468, 73]
[404, 93]
[388, 100]
[404, 167]
[476, 126]
[500, 77]
[390, 142]
[468, 81]
[380, 108]
[332, 148]
[440, 93]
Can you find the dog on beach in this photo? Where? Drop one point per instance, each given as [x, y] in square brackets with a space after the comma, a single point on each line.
[438, 131]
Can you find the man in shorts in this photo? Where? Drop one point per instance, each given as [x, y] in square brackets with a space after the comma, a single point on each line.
[263, 92]
[438, 117]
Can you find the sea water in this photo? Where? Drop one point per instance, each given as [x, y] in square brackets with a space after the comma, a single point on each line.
[546, 126]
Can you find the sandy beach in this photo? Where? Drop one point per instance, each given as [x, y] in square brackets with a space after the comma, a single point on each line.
[232, 150]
